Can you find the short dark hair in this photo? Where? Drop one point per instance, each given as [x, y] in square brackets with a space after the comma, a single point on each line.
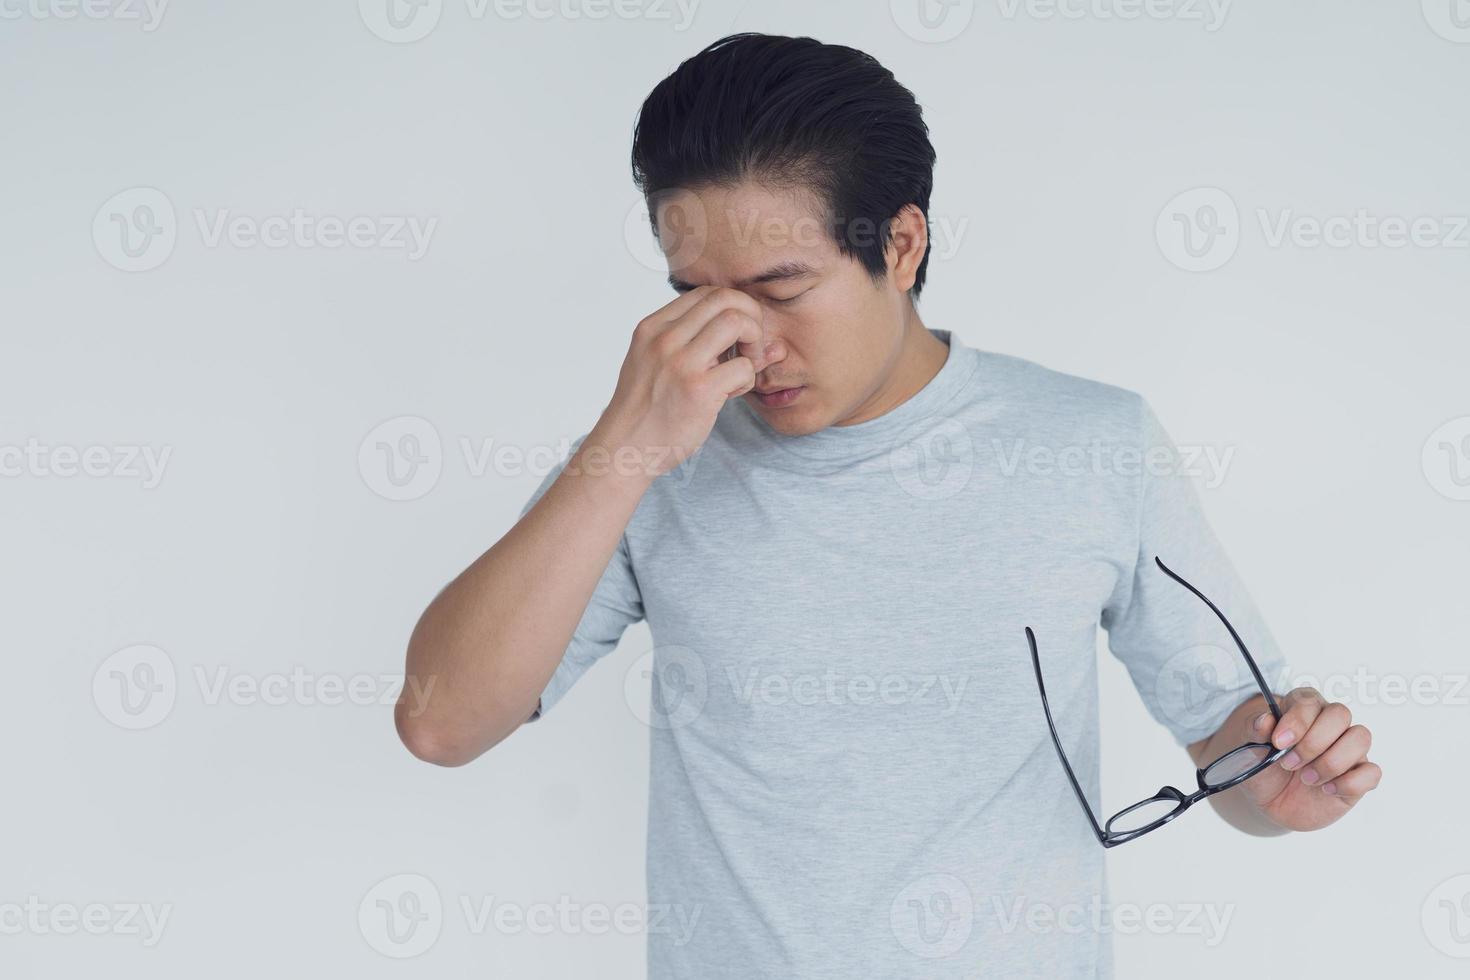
[793, 111]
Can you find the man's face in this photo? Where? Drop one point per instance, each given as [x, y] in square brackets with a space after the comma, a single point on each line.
[833, 336]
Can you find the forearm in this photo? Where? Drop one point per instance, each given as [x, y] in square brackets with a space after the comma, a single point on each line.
[485, 648]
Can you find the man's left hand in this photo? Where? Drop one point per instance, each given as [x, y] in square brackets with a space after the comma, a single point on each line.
[1323, 776]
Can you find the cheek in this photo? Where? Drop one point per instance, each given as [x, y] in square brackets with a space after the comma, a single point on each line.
[815, 334]
[830, 342]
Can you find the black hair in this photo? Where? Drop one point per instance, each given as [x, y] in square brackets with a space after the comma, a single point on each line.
[793, 111]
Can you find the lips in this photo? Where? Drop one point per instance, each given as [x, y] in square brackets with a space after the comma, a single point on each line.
[778, 397]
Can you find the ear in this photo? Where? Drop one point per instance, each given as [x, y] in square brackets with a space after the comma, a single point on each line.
[908, 245]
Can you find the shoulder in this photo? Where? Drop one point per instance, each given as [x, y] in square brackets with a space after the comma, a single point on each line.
[1052, 399]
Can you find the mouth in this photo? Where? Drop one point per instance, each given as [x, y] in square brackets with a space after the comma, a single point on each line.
[778, 397]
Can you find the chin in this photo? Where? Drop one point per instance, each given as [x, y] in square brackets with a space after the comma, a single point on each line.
[792, 423]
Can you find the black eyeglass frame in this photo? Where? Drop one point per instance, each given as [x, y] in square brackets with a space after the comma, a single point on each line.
[1182, 802]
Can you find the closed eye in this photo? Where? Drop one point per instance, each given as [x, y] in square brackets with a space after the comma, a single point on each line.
[789, 299]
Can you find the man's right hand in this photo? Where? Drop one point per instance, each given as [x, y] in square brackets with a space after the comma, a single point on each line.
[677, 376]
[490, 641]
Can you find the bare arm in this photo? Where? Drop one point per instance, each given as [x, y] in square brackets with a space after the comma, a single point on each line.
[490, 641]
[485, 648]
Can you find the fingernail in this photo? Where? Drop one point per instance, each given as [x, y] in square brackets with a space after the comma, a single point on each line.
[1262, 718]
[1309, 776]
[1290, 761]
[1329, 788]
[1283, 739]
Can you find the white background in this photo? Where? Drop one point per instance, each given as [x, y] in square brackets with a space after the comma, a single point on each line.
[268, 546]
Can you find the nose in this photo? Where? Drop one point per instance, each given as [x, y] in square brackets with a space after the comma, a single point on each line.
[772, 352]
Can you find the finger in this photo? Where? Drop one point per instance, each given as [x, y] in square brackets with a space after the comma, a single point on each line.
[1341, 756]
[1302, 707]
[714, 302]
[679, 305]
[756, 348]
[721, 333]
[1329, 725]
[1360, 779]
[734, 377]
[1258, 726]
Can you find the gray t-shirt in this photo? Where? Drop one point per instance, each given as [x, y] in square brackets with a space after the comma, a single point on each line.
[851, 771]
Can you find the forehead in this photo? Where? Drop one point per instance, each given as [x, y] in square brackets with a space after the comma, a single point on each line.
[729, 234]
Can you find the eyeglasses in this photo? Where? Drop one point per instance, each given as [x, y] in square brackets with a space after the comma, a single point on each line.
[1230, 769]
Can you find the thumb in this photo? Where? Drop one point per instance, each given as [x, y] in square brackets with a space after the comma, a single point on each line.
[755, 344]
[1260, 727]
[758, 351]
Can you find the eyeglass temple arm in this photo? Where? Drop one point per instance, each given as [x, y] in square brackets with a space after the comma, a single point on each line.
[1045, 706]
[1250, 661]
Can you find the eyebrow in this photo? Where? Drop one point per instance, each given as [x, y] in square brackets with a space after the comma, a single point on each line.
[781, 272]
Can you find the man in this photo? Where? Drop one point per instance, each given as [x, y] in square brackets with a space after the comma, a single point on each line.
[813, 500]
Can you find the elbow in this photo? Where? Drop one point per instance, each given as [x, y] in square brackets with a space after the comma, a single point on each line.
[431, 742]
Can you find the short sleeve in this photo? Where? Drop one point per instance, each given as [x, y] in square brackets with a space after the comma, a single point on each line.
[615, 605]
[1178, 653]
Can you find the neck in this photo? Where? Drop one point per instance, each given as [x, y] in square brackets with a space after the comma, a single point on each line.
[918, 360]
